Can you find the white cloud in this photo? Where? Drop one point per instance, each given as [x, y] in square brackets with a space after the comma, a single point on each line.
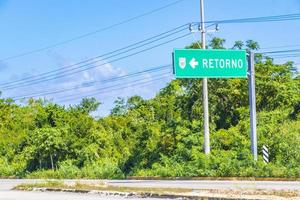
[99, 72]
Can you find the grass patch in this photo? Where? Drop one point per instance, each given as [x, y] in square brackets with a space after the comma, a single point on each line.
[102, 186]
[47, 184]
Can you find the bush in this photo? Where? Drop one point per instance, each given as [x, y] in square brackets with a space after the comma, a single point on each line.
[102, 169]
[5, 169]
[68, 170]
[44, 174]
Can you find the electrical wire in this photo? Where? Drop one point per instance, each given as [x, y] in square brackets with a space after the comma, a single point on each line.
[288, 53]
[245, 20]
[277, 47]
[268, 18]
[93, 60]
[91, 33]
[145, 83]
[137, 81]
[285, 56]
[111, 61]
[240, 20]
[281, 51]
[273, 18]
[295, 16]
[92, 83]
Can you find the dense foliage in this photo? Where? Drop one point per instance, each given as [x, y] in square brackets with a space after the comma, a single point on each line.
[162, 136]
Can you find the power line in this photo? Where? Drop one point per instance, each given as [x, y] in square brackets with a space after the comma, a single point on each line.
[92, 60]
[111, 61]
[79, 68]
[92, 83]
[145, 83]
[279, 18]
[148, 83]
[138, 81]
[295, 16]
[91, 67]
[273, 18]
[277, 47]
[281, 51]
[286, 56]
[268, 18]
[241, 20]
[91, 33]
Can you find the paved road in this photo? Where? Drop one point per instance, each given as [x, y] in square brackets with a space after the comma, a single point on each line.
[272, 185]
[7, 194]
[20, 195]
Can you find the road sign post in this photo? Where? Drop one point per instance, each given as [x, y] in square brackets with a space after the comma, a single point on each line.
[210, 63]
[252, 100]
[213, 63]
[202, 63]
[204, 84]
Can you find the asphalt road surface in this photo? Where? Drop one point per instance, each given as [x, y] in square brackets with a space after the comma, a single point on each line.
[269, 185]
[21, 195]
[7, 194]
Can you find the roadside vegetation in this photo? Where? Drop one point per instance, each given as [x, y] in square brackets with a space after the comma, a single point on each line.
[101, 186]
[162, 136]
[155, 192]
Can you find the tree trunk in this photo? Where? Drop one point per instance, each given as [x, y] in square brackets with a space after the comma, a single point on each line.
[51, 158]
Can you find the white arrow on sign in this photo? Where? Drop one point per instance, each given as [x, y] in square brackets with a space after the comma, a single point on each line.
[194, 63]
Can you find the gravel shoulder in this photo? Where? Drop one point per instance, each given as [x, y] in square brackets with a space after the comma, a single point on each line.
[107, 189]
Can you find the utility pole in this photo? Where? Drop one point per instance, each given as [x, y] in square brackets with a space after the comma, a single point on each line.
[204, 86]
[252, 99]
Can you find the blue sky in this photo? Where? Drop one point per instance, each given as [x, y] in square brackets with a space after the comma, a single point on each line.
[32, 24]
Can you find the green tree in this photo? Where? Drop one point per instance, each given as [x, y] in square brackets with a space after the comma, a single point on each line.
[238, 44]
[48, 146]
[217, 43]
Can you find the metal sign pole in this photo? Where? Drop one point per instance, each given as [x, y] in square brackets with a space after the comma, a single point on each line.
[204, 87]
[252, 99]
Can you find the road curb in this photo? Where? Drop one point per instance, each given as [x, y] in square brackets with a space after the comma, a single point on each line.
[214, 178]
[204, 178]
[136, 194]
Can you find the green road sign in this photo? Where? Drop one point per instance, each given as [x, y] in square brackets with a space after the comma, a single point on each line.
[210, 63]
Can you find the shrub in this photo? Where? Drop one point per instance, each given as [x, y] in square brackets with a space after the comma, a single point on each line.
[102, 169]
